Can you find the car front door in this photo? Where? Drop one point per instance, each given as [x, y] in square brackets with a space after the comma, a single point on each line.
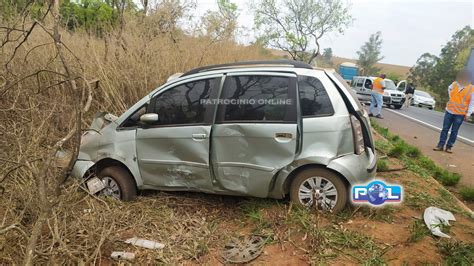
[255, 132]
[173, 153]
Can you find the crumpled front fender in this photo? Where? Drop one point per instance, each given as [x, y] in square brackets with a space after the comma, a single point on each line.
[80, 168]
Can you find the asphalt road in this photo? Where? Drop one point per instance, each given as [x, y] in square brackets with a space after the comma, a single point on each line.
[434, 120]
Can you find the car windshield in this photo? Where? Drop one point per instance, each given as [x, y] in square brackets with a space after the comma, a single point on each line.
[390, 85]
[423, 93]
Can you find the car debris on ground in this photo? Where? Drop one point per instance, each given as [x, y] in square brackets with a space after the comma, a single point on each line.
[243, 249]
[435, 218]
[144, 243]
[120, 255]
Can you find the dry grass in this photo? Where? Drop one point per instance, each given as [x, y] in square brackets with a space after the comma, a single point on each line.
[36, 110]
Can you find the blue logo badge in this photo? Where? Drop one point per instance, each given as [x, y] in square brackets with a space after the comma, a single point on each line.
[377, 193]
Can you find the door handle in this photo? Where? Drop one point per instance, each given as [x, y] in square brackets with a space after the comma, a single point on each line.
[283, 135]
[199, 136]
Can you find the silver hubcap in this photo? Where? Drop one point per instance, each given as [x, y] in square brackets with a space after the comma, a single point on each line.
[111, 189]
[318, 192]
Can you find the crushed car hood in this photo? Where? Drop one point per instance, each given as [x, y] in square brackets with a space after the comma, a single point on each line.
[102, 119]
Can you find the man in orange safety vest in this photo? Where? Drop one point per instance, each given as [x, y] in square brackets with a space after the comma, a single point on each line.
[459, 107]
[376, 98]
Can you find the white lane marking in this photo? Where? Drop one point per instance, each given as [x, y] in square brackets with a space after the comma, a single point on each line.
[471, 142]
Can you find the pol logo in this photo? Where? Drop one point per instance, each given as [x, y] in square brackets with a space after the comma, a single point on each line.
[376, 193]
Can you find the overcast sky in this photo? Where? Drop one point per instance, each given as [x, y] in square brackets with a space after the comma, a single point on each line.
[409, 27]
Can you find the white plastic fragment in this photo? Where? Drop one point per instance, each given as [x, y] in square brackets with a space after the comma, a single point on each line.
[434, 217]
[119, 255]
[144, 243]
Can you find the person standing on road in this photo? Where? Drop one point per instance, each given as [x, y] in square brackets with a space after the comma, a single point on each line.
[377, 96]
[459, 107]
[410, 90]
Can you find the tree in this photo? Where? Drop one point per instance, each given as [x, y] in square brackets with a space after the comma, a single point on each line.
[222, 24]
[326, 59]
[369, 54]
[296, 26]
[421, 73]
[437, 72]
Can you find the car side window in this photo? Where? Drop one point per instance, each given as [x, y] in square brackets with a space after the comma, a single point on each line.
[314, 100]
[368, 84]
[359, 83]
[185, 103]
[255, 98]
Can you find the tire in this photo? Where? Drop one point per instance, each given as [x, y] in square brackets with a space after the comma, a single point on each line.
[302, 180]
[398, 106]
[123, 182]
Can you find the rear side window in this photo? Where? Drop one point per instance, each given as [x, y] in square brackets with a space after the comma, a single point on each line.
[368, 84]
[255, 98]
[359, 82]
[185, 103]
[314, 100]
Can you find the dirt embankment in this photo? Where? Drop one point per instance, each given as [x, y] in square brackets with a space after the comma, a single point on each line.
[195, 228]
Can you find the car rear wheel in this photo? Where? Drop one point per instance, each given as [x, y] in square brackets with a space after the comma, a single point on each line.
[319, 188]
[118, 183]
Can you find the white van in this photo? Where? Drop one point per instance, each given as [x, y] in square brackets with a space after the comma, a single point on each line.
[392, 97]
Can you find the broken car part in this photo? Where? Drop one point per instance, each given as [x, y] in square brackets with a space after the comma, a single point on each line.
[144, 243]
[435, 218]
[243, 249]
[119, 255]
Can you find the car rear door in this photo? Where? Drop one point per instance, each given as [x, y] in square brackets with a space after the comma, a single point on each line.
[255, 133]
[173, 153]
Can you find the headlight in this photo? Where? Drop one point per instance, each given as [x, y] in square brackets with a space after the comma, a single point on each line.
[386, 93]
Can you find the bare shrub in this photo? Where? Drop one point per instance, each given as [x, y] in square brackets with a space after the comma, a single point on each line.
[43, 82]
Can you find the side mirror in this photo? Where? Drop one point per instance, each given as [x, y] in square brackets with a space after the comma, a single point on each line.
[149, 118]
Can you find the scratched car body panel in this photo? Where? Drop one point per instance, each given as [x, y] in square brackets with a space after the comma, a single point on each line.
[174, 140]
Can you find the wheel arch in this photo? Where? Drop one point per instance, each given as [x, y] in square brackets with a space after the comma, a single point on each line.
[106, 162]
[292, 175]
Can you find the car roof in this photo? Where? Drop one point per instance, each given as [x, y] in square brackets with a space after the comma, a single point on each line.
[248, 64]
[277, 66]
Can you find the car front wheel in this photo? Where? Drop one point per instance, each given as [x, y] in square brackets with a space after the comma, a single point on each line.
[319, 188]
[118, 183]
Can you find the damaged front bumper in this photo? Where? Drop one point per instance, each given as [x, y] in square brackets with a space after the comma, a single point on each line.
[81, 167]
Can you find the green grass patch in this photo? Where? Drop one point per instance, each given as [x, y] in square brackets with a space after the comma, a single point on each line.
[384, 214]
[467, 193]
[446, 178]
[398, 150]
[383, 145]
[418, 230]
[412, 157]
[350, 243]
[457, 253]
[423, 200]
[253, 210]
[382, 165]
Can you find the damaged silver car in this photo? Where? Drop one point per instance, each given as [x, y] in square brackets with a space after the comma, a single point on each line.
[261, 129]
